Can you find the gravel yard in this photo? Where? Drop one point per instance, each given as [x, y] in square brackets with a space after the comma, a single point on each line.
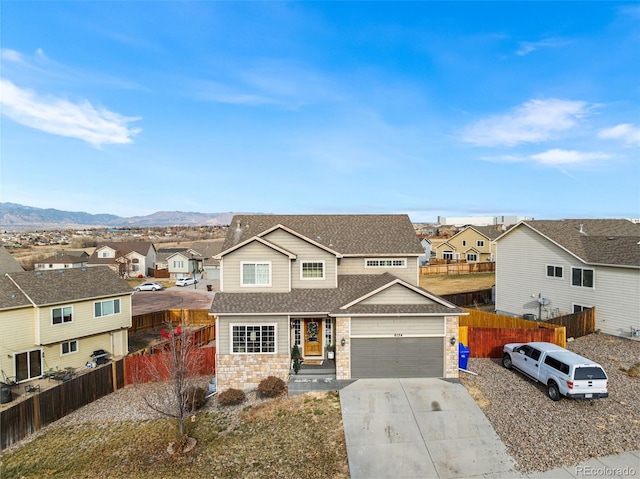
[541, 434]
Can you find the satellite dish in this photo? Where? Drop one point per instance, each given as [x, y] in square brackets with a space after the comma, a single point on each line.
[544, 301]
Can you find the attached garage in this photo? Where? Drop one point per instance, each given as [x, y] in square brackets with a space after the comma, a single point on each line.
[383, 347]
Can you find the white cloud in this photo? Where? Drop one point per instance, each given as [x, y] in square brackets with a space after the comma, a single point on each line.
[528, 47]
[626, 132]
[81, 120]
[532, 122]
[11, 55]
[557, 157]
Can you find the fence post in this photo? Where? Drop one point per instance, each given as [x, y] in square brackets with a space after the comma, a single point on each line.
[36, 411]
[114, 376]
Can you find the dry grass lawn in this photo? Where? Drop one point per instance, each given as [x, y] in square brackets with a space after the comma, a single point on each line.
[460, 283]
[299, 436]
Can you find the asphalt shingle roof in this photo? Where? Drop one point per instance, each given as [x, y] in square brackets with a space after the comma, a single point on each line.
[67, 285]
[346, 234]
[8, 263]
[595, 241]
[307, 301]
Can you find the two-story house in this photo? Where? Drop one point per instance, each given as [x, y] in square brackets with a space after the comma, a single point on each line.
[57, 319]
[180, 262]
[129, 259]
[313, 280]
[473, 244]
[550, 268]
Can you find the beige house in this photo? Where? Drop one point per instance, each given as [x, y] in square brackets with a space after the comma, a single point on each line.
[556, 267]
[62, 260]
[473, 244]
[129, 259]
[349, 281]
[57, 319]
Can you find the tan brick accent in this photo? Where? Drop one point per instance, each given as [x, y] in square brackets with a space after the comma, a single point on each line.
[451, 352]
[245, 371]
[343, 353]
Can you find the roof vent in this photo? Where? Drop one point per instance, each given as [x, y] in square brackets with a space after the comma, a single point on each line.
[38, 273]
[83, 269]
[581, 230]
[60, 271]
[611, 238]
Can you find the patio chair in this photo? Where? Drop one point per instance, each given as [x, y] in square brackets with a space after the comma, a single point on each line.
[9, 380]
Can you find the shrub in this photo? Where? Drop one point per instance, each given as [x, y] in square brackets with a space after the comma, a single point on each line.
[271, 387]
[231, 397]
[194, 398]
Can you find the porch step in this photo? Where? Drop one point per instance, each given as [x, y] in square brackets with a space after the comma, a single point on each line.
[303, 383]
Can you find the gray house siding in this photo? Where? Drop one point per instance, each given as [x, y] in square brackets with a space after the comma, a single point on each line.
[256, 252]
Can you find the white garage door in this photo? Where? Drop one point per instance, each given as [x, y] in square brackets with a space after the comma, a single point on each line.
[393, 348]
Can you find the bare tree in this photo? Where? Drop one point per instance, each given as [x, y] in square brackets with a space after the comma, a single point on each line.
[177, 367]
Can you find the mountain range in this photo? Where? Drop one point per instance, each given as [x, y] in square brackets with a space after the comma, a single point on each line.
[15, 217]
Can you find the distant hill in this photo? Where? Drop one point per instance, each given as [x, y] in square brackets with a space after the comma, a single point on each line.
[15, 217]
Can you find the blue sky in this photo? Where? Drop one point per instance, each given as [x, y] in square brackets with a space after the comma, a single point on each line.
[425, 108]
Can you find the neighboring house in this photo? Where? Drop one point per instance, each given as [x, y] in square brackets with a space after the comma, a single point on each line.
[180, 262]
[128, 259]
[426, 246]
[474, 244]
[57, 319]
[313, 280]
[209, 250]
[62, 260]
[550, 268]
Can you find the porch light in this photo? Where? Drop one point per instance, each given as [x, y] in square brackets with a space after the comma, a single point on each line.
[342, 342]
[452, 340]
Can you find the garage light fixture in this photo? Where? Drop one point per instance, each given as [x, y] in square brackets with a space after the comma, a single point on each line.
[452, 340]
[342, 342]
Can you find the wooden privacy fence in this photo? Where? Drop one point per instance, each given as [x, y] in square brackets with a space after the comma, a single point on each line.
[159, 367]
[141, 322]
[577, 324]
[458, 268]
[470, 298]
[485, 333]
[33, 413]
[199, 338]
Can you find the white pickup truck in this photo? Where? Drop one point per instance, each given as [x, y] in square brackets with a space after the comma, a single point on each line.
[563, 372]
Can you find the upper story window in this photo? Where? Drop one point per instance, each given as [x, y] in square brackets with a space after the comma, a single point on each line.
[255, 274]
[554, 271]
[62, 315]
[464, 242]
[480, 243]
[106, 308]
[312, 270]
[105, 254]
[582, 277]
[178, 264]
[258, 338]
[385, 263]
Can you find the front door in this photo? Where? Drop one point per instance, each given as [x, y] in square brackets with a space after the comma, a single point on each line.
[313, 337]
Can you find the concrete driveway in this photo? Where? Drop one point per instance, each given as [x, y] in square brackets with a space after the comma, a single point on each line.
[419, 428]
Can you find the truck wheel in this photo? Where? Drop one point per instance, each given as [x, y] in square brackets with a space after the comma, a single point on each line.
[553, 391]
[506, 361]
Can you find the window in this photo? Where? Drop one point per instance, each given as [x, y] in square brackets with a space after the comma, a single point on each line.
[447, 254]
[582, 277]
[69, 347]
[105, 254]
[472, 257]
[327, 331]
[135, 267]
[297, 337]
[480, 243]
[256, 274]
[554, 271]
[385, 263]
[62, 315]
[106, 308]
[578, 308]
[256, 338]
[559, 365]
[312, 270]
[178, 264]
[464, 242]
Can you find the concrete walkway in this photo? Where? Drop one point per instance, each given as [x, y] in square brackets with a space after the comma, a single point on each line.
[419, 428]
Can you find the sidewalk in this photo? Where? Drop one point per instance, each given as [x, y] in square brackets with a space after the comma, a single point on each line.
[625, 465]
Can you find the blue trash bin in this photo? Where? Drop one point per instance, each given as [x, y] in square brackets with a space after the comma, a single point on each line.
[463, 356]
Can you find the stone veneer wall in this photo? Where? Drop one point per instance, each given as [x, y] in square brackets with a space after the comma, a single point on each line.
[245, 371]
[343, 353]
[451, 352]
